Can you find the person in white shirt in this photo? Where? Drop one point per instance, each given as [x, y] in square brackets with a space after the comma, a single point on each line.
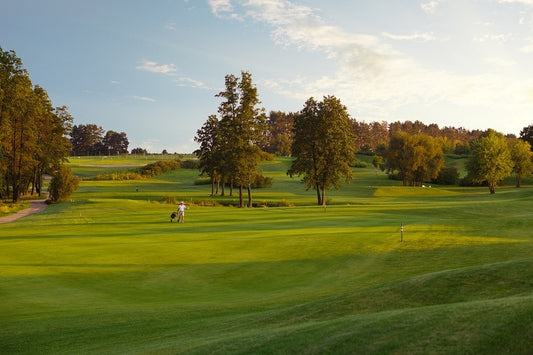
[181, 212]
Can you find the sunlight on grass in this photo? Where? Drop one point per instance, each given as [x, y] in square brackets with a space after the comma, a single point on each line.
[107, 272]
[407, 191]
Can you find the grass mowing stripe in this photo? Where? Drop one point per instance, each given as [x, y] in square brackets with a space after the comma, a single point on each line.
[108, 272]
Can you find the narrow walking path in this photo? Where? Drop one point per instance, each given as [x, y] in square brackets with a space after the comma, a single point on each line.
[35, 207]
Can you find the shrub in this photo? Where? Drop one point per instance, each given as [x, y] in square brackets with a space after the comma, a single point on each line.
[360, 164]
[160, 167]
[190, 164]
[447, 176]
[261, 181]
[120, 176]
[171, 200]
[202, 180]
[285, 203]
[63, 184]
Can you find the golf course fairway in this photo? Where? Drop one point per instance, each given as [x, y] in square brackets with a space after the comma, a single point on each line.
[107, 272]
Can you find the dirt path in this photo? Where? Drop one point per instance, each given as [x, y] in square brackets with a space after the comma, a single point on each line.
[35, 207]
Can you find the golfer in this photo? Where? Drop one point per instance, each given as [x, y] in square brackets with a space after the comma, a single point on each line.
[181, 212]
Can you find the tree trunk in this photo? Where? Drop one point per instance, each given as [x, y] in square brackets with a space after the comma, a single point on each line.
[492, 188]
[323, 196]
[518, 180]
[249, 187]
[318, 195]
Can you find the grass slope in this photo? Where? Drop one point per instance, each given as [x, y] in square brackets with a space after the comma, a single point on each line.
[108, 273]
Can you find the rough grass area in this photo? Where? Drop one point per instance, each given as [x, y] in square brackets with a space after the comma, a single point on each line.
[108, 272]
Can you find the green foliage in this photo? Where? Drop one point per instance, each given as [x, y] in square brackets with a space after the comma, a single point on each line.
[190, 164]
[491, 160]
[32, 132]
[323, 146]
[63, 184]
[261, 181]
[447, 176]
[522, 158]
[119, 176]
[417, 158]
[230, 149]
[377, 161]
[360, 164]
[202, 180]
[160, 167]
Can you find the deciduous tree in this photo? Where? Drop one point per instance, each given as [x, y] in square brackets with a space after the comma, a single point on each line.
[521, 156]
[32, 134]
[230, 147]
[323, 145]
[491, 160]
[416, 157]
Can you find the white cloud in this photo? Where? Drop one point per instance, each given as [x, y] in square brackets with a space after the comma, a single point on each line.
[431, 6]
[500, 61]
[143, 98]
[493, 37]
[153, 67]
[218, 6]
[189, 82]
[223, 8]
[525, 2]
[376, 78]
[527, 49]
[424, 37]
[171, 26]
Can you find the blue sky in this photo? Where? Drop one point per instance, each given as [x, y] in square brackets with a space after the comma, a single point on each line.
[152, 68]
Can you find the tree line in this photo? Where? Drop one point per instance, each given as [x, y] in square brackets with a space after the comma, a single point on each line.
[233, 142]
[323, 140]
[33, 133]
[91, 139]
[36, 138]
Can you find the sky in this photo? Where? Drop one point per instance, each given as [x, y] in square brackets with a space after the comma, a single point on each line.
[152, 69]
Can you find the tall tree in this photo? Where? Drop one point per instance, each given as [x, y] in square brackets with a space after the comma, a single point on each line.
[251, 124]
[279, 133]
[87, 140]
[230, 147]
[323, 145]
[491, 160]
[522, 156]
[526, 134]
[52, 130]
[207, 137]
[32, 135]
[416, 157]
[115, 143]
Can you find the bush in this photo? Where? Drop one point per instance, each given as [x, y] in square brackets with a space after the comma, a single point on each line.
[447, 176]
[202, 180]
[285, 203]
[190, 164]
[126, 175]
[160, 167]
[171, 200]
[261, 181]
[360, 164]
[63, 184]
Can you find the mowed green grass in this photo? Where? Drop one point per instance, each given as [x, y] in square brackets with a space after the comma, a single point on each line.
[107, 272]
